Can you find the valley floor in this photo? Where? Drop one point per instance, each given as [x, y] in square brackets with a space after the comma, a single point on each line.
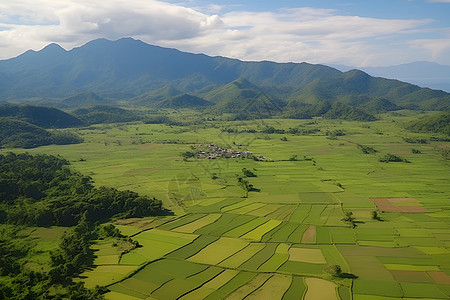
[319, 201]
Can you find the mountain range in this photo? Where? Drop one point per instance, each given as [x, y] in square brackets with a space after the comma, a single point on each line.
[133, 73]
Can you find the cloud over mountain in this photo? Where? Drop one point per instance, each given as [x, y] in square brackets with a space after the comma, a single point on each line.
[317, 35]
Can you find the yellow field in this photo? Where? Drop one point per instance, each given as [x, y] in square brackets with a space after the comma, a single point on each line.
[218, 251]
[242, 256]
[104, 275]
[274, 288]
[313, 256]
[258, 232]
[320, 289]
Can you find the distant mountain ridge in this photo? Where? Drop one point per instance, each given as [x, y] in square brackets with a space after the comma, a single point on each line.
[104, 72]
[422, 73]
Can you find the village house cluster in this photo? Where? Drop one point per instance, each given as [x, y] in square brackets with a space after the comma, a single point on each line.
[212, 151]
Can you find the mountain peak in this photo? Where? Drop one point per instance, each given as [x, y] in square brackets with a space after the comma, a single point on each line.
[53, 47]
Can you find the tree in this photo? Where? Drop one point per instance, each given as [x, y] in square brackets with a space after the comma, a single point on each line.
[349, 218]
[248, 173]
[245, 185]
[375, 216]
[188, 154]
[334, 270]
[293, 158]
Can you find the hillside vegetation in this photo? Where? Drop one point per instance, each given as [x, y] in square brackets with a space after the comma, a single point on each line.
[15, 133]
[104, 114]
[46, 117]
[57, 196]
[437, 123]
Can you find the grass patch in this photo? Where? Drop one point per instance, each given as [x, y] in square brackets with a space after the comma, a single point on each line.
[274, 288]
[245, 228]
[251, 286]
[280, 256]
[181, 221]
[259, 258]
[225, 223]
[320, 289]
[309, 236]
[280, 233]
[422, 290]
[247, 209]
[257, 233]
[211, 286]
[170, 268]
[218, 251]
[313, 256]
[199, 223]
[379, 288]
[283, 213]
[297, 289]
[297, 235]
[236, 282]
[105, 275]
[265, 210]
[193, 248]
[156, 243]
[174, 289]
[402, 267]
[302, 268]
[242, 256]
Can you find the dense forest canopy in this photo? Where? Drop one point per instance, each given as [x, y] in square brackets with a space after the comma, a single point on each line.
[41, 190]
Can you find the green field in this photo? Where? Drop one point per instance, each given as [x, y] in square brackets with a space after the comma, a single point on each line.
[277, 242]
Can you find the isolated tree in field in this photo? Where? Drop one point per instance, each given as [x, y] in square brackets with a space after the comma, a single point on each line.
[248, 173]
[375, 216]
[245, 185]
[186, 155]
[334, 270]
[349, 218]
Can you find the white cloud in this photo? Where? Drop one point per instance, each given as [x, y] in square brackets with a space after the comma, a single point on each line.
[437, 49]
[442, 1]
[295, 34]
[73, 22]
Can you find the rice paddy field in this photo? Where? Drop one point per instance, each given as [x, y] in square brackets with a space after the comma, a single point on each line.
[278, 241]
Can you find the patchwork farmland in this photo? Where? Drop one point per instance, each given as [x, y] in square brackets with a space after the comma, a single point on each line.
[320, 202]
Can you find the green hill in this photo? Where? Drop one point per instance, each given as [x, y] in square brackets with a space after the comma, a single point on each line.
[105, 114]
[184, 101]
[357, 87]
[84, 99]
[16, 133]
[437, 123]
[154, 96]
[346, 112]
[379, 105]
[242, 96]
[46, 117]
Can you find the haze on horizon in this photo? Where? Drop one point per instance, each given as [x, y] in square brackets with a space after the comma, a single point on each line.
[355, 33]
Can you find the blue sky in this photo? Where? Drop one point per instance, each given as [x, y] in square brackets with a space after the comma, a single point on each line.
[357, 33]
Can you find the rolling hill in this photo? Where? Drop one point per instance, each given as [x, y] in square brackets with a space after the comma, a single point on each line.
[16, 133]
[41, 116]
[184, 101]
[84, 99]
[436, 123]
